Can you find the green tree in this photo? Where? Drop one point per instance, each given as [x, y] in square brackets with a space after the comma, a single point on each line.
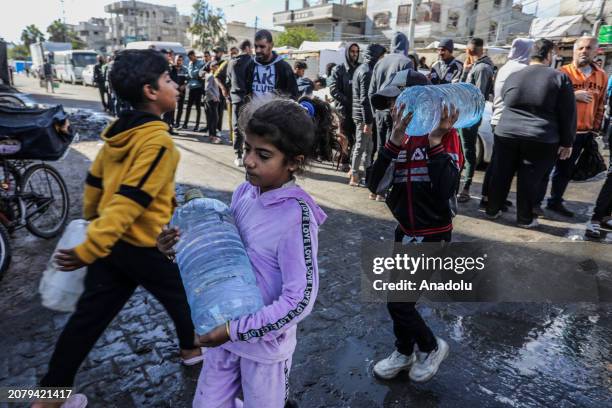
[30, 35]
[60, 32]
[294, 36]
[208, 27]
[19, 52]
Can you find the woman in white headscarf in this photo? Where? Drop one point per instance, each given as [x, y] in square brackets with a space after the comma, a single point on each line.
[518, 58]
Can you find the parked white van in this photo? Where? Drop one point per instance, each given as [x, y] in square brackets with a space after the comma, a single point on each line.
[69, 65]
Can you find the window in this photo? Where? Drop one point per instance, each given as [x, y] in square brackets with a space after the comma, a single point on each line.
[435, 12]
[403, 14]
[453, 20]
[492, 31]
[475, 4]
[497, 3]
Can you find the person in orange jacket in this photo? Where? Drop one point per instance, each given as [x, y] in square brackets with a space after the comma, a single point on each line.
[589, 83]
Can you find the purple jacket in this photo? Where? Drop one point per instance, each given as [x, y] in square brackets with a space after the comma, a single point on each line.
[279, 229]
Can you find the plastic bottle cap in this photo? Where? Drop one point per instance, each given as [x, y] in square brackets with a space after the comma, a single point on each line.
[193, 193]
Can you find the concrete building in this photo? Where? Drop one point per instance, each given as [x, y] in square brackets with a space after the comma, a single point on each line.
[335, 21]
[587, 8]
[495, 21]
[138, 21]
[240, 31]
[93, 33]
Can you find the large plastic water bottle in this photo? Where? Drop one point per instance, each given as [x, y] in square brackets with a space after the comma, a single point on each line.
[426, 103]
[215, 269]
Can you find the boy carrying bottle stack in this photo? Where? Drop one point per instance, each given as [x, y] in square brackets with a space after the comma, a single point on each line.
[425, 177]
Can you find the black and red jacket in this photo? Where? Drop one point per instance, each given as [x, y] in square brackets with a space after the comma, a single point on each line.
[424, 182]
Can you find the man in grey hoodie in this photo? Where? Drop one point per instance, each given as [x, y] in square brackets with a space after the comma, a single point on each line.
[480, 74]
[268, 72]
[397, 61]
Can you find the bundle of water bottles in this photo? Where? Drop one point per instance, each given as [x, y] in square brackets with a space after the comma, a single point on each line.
[427, 102]
[215, 269]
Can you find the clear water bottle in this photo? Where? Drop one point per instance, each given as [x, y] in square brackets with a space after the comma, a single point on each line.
[215, 269]
[426, 103]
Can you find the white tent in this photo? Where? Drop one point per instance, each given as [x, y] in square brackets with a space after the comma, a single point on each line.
[555, 27]
[457, 46]
[321, 45]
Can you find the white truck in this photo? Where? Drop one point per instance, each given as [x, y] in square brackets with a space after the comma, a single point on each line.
[40, 50]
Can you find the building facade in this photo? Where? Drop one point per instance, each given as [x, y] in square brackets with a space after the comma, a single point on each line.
[495, 21]
[139, 21]
[334, 21]
[241, 31]
[93, 33]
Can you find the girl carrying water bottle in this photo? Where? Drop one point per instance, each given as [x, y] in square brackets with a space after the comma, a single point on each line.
[278, 223]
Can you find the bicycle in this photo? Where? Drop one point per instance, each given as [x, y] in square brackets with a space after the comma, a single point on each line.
[34, 196]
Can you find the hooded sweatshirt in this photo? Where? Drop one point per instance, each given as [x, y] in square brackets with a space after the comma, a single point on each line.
[279, 229]
[341, 83]
[273, 76]
[362, 110]
[481, 75]
[396, 61]
[446, 71]
[590, 114]
[518, 58]
[129, 191]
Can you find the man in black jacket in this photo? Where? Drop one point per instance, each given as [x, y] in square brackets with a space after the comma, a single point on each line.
[340, 89]
[480, 74]
[237, 76]
[98, 78]
[362, 112]
[268, 72]
[538, 124]
[447, 69]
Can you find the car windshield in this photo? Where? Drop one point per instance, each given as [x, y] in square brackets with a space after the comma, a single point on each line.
[82, 60]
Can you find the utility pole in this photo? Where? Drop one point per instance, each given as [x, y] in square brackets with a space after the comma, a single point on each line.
[599, 19]
[256, 21]
[413, 16]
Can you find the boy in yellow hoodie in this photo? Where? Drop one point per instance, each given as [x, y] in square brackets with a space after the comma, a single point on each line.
[129, 195]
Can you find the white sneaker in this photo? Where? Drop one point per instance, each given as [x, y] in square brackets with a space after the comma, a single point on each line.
[593, 230]
[75, 401]
[238, 162]
[393, 365]
[427, 364]
[533, 224]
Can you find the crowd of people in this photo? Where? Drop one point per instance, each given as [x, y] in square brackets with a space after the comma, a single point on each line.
[543, 118]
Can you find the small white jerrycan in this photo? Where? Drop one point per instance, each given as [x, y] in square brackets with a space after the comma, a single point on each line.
[60, 290]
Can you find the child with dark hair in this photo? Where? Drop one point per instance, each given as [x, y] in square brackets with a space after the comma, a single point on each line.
[129, 195]
[278, 223]
[425, 171]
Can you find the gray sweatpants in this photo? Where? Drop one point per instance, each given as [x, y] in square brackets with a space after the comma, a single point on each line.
[363, 147]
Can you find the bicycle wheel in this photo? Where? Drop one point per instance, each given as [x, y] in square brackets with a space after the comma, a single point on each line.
[10, 204]
[5, 251]
[46, 200]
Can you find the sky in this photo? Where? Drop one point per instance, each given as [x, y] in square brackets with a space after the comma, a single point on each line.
[17, 14]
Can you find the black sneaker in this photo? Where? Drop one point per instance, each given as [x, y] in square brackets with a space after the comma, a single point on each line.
[184, 127]
[559, 208]
[196, 128]
[537, 212]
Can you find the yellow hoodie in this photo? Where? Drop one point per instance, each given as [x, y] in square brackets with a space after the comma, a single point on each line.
[129, 192]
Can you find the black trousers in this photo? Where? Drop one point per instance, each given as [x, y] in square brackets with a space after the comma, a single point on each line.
[349, 130]
[603, 205]
[408, 325]
[195, 98]
[109, 283]
[531, 161]
[179, 108]
[220, 109]
[384, 125]
[212, 111]
[238, 136]
[103, 96]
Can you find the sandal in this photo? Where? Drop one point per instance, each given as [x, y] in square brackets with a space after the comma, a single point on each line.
[380, 198]
[372, 196]
[194, 360]
[463, 197]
